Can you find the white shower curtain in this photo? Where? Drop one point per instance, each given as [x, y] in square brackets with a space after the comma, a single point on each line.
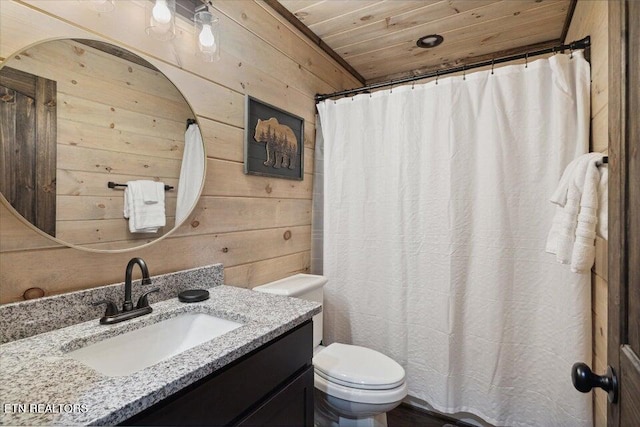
[435, 220]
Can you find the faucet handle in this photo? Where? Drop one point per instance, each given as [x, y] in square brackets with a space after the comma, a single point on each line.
[112, 309]
[143, 301]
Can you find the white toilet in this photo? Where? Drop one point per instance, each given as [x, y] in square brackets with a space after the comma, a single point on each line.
[354, 386]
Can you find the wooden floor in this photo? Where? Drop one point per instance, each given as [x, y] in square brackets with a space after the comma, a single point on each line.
[408, 416]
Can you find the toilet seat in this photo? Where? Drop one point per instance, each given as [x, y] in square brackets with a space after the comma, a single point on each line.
[350, 394]
[358, 367]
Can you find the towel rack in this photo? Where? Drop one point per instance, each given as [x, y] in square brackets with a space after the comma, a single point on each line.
[191, 122]
[604, 161]
[112, 184]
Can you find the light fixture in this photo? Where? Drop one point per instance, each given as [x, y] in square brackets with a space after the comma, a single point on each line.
[160, 19]
[102, 5]
[429, 41]
[207, 35]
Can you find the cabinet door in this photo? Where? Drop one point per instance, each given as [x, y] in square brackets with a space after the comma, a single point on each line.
[292, 406]
[227, 395]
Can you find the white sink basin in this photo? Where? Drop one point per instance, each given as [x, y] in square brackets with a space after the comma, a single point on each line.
[133, 351]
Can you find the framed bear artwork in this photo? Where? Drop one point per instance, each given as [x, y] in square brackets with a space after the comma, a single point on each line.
[273, 142]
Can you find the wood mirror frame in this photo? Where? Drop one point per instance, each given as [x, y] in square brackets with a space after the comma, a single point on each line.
[77, 114]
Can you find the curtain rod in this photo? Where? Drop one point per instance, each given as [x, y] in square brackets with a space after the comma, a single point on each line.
[576, 45]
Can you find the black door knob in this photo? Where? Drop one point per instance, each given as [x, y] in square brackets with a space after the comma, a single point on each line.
[584, 380]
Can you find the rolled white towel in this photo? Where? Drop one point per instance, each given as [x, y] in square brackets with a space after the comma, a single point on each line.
[554, 231]
[566, 231]
[583, 254]
[559, 196]
[567, 195]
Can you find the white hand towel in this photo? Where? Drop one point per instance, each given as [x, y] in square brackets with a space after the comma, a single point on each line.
[127, 203]
[152, 191]
[567, 196]
[567, 229]
[559, 196]
[191, 173]
[554, 232]
[130, 210]
[143, 217]
[584, 250]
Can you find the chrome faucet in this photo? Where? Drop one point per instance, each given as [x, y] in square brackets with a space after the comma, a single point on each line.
[112, 315]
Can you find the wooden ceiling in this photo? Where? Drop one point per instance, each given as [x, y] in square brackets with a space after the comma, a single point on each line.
[378, 38]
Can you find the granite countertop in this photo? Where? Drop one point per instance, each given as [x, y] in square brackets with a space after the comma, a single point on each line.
[40, 385]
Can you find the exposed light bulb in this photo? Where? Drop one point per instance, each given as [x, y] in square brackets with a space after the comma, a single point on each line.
[161, 13]
[206, 38]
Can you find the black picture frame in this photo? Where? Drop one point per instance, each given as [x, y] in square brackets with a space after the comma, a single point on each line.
[273, 141]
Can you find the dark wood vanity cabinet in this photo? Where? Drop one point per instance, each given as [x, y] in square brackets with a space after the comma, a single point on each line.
[271, 386]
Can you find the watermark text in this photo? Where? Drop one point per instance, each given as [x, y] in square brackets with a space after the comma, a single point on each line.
[44, 408]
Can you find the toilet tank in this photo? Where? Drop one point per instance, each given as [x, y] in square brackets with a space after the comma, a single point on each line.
[303, 286]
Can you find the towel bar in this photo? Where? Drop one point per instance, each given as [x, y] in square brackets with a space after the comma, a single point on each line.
[604, 161]
[112, 184]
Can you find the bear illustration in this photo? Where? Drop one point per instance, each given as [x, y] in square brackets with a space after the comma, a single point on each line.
[281, 144]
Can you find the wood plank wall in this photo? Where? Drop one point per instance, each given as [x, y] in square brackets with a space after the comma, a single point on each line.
[117, 121]
[258, 227]
[590, 18]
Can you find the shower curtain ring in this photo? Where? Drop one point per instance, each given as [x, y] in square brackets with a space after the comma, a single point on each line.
[464, 72]
[526, 60]
[437, 75]
[492, 64]
[413, 85]
[571, 53]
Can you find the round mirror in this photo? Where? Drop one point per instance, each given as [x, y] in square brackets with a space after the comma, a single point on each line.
[100, 151]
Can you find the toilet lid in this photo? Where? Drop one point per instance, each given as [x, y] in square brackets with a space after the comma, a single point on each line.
[358, 367]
